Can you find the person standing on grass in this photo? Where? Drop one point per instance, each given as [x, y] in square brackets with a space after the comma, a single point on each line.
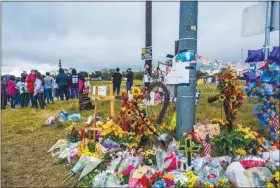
[18, 99]
[12, 91]
[49, 84]
[117, 80]
[74, 82]
[129, 81]
[81, 82]
[30, 80]
[39, 91]
[22, 87]
[62, 82]
[3, 93]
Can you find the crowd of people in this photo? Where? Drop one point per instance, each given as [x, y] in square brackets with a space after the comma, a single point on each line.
[35, 88]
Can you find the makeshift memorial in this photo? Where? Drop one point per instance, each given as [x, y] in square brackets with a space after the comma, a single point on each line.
[231, 95]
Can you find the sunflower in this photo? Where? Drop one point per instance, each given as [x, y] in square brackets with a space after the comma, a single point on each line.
[129, 113]
[135, 91]
[147, 121]
[232, 98]
[222, 97]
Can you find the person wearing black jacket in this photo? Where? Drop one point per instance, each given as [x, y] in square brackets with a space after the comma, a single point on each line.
[62, 82]
[4, 98]
[117, 80]
[129, 81]
[74, 82]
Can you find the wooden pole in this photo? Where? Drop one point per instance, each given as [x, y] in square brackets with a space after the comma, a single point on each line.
[112, 101]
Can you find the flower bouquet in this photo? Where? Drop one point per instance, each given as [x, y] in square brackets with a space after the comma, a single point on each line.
[73, 134]
[157, 179]
[150, 157]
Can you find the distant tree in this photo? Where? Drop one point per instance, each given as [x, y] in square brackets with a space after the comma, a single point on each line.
[84, 74]
[111, 71]
[199, 74]
[138, 75]
[98, 74]
[92, 75]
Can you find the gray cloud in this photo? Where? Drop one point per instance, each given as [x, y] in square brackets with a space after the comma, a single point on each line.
[92, 36]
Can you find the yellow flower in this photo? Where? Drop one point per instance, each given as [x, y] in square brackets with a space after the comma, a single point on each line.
[277, 176]
[129, 113]
[232, 98]
[168, 176]
[269, 185]
[241, 151]
[71, 127]
[222, 97]
[136, 91]
[246, 136]
[209, 185]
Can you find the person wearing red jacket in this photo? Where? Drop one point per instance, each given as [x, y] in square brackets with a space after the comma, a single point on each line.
[11, 89]
[30, 80]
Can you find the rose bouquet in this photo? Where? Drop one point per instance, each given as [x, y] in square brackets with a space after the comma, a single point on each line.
[73, 134]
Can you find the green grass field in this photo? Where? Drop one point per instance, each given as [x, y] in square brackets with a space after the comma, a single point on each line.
[25, 138]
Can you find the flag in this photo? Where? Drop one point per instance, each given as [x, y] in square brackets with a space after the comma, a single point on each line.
[275, 121]
[207, 146]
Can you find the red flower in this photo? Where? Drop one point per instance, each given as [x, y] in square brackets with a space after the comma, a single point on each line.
[73, 133]
[145, 181]
[169, 182]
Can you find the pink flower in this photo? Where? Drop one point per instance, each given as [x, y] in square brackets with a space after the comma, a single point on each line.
[128, 170]
[169, 182]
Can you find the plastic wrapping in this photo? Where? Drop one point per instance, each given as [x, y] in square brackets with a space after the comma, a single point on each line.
[160, 155]
[114, 163]
[51, 120]
[100, 179]
[274, 156]
[74, 117]
[240, 180]
[110, 144]
[198, 163]
[112, 181]
[90, 165]
[252, 161]
[170, 162]
[179, 177]
[57, 145]
[233, 169]
[79, 165]
[258, 176]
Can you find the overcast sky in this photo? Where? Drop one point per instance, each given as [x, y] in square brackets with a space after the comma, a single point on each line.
[92, 36]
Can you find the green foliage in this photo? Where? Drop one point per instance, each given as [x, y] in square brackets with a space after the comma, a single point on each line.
[199, 74]
[138, 75]
[227, 143]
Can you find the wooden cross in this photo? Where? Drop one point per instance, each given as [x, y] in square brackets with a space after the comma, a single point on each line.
[189, 148]
[98, 97]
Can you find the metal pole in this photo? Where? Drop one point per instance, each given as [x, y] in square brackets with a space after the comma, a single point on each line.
[267, 29]
[186, 93]
[149, 32]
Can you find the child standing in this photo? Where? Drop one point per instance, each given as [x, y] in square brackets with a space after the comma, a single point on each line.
[39, 90]
[12, 91]
[22, 87]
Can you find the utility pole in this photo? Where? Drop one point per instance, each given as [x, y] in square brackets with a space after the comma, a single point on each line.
[186, 92]
[267, 29]
[149, 32]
